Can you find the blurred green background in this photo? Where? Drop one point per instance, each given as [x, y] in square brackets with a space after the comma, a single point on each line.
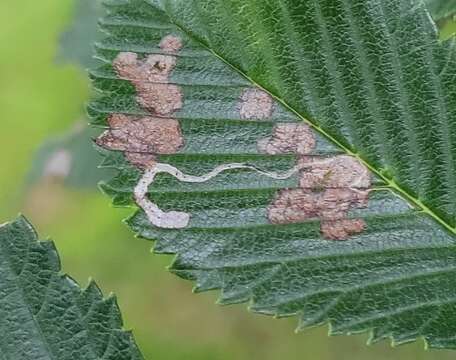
[40, 97]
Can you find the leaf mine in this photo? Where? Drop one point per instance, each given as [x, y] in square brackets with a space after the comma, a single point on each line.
[256, 104]
[151, 80]
[329, 189]
[289, 139]
[171, 44]
[142, 138]
[180, 220]
[297, 205]
[141, 160]
[160, 99]
[157, 217]
[155, 68]
[342, 229]
[341, 171]
[142, 135]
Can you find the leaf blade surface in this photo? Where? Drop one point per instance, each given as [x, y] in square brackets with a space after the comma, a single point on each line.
[374, 82]
[44, 314]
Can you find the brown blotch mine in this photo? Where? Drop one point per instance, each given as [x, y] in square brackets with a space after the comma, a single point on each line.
[159, 99]
[171, 44]
[289, 139]
[149, 135]
[298, 205]
[329, 189]
[342, 229]
[142, 138]
[256, 104]
[341, 171]
[154, 68]
[151, 77]
[141, 160]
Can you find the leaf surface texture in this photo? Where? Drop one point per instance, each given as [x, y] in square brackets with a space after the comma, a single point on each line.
[44, 314]
[373, 83]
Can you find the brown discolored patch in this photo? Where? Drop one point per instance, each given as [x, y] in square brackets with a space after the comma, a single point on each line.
[159, 99]
[341, 171]
[149, 135]
[151, 80]
[141, 160]
[299, 205]
[342, 229]
[151, 77]
[289, 139]
[142, 138]
[127, 66]
[158, 68]
[256, 104]
[171, 44]
[329, 189]
[155, 68]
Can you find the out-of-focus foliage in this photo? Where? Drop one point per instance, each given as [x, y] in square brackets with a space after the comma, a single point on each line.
[37, 98]
[70, 158]
[76, 42]
[44, 314]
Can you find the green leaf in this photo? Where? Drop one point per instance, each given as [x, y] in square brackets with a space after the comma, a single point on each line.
[276, 214]
[44, 314]
[70, 158]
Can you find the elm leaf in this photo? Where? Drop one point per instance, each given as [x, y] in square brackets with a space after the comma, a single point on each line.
[296, 155]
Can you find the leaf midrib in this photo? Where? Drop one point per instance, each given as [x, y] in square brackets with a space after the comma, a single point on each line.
[391, 184]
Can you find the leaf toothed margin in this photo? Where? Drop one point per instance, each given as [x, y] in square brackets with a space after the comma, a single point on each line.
[394, 278]
[44, 314]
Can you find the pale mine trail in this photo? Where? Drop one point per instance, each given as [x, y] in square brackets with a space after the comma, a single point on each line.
[179, 220]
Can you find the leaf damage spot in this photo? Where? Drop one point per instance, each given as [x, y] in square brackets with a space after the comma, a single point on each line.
[155, 68]
[142, 138]
[340, 171]
[160, 99]
[179, 220]
[151, 77]
[255, 104]
[141, 160]
[289, 139]
[298, 205]
[342, 229]
[157, 217]
[329, 189]
[171, 44]
[149, 135]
